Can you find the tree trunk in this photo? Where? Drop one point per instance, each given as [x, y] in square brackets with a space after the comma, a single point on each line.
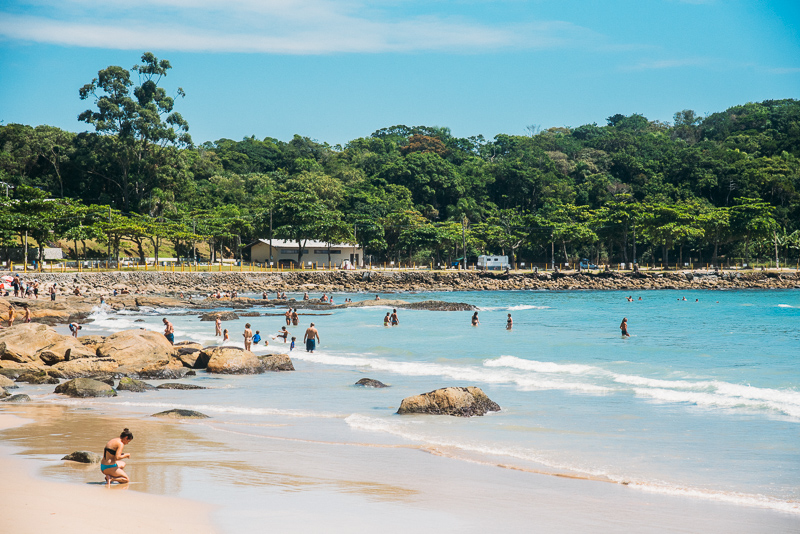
[634, 244]
[625, 244]
[775, 237]
[564, 244]
[716, 248]
[680, 256]
[75, 242]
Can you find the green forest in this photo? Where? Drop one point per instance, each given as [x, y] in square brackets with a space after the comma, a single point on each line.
[720, 189]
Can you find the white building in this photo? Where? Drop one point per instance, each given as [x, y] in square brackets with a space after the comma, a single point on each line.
[493, 262]
[285, 252]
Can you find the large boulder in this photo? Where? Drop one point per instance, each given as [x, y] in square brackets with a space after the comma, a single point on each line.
[136, 386]
[85, 387]
[4, 393]
[136, 349]
[459, 401]
[84, 367]
[22, 342]
[84, 457]
[232, 360]
[277, 362]
[67, 348]
[163, 371]
[91, 342]
[223, 316]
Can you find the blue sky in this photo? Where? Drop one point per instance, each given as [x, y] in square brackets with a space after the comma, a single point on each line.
[338, 70]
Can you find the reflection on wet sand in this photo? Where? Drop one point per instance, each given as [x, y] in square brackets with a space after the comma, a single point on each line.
[164, 454]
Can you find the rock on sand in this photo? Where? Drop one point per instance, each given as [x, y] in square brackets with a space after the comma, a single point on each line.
[459, 401]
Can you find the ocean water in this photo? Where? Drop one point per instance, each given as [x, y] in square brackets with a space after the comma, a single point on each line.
[702, 401]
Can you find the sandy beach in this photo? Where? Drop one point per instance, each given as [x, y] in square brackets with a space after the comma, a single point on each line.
[231, 478]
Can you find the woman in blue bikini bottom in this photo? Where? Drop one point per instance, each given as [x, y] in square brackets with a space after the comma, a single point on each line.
[111, 466]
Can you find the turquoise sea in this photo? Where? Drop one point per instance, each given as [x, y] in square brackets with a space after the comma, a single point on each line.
[701, 402]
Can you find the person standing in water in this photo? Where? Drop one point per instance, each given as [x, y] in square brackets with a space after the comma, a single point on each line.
[111, 466]
[288, 315]
[624, 327]
[295, 318]
[509, 322]
[169, 331]
[248, 336]
[475, 320]
[218, 325]
[386, 319]
[394, 319]
[311, 338]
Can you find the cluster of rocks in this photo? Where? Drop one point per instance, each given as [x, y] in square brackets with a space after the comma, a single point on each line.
[150, 283]
[37, 354]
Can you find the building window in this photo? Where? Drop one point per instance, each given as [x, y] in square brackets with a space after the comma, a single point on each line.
[292, 251]
[333, 251]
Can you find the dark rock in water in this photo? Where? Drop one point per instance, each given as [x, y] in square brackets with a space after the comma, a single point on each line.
[84, 457]
[276, 362]
[190, 373]
[250, 314]
[438, 305]
[172, 385]
[18, 398]
[223, 316]
[105, 379]
[171, 372]
[370, 383]
[86, 387]
[139, 321]
[131, 384]
[181, 414]
[38, 377]
[459, 401]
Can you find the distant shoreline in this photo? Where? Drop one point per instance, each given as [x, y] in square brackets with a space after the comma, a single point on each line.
[375, 281]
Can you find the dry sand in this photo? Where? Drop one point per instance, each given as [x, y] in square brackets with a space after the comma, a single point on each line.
[29, 504]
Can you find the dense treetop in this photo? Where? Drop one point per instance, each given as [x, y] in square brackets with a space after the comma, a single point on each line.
[699, 187]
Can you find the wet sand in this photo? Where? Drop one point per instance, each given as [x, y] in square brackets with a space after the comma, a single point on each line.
[239, 477]
[81, 503]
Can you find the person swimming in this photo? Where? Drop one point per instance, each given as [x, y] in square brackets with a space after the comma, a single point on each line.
[110, 465]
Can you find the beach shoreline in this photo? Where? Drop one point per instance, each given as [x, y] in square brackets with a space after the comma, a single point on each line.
[313, 485]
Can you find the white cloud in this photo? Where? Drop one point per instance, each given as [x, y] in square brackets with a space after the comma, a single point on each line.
[275, 26]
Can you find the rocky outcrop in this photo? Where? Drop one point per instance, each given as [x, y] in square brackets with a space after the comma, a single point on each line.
[223, 316]
[37, 377]
[136, 349]
[187, 353]
[84, 457]
[276, 362]
[65, 349]
[136, 386]
[171, 370]
[4, 393]
[172, 385]
[17, 398]
[370, 383]
[85, 367]
[85, 387]
[232, 360]
[181, 414]
[22, 342]
[459, 401]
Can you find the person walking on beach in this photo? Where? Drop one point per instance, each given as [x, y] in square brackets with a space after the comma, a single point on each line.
[394, 319]
[624, 327]
[295, 318]
[11, 315]
[111, 466]
[169, 331]
[509, 322]
[475, 320]
[311, 338]
[248, 336]
[218, 325]
[52, 292]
